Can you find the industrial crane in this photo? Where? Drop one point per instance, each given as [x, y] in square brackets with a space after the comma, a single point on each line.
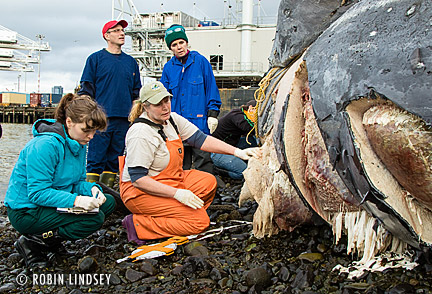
[17, 51]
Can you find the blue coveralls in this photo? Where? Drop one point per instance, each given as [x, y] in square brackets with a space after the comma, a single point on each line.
[113, 80]
[195, 97]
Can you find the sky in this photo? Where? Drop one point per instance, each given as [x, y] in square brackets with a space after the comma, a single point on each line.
[73, 30]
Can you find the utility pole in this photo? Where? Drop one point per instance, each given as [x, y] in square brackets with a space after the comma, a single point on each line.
[19, 76]
[40, 38]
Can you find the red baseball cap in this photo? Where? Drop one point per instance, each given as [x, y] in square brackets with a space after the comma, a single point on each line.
[112, 24]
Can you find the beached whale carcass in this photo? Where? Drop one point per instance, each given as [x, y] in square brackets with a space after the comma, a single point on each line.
[350, 121]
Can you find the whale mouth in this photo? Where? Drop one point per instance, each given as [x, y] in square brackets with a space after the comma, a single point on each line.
[395, 150]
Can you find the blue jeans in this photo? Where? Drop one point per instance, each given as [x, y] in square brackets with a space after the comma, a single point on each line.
[105, 147]
[234, 166]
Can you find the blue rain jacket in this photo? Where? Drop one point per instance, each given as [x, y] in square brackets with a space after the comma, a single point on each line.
[50, 170]
[193, 87]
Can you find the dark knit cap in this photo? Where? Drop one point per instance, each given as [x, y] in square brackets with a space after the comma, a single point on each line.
[173, 33]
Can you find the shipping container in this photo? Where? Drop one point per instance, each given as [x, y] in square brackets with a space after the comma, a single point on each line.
[55, 98]
[35, 99]
[1, 97]
[27, 98]
[13, 98]
[45, 100]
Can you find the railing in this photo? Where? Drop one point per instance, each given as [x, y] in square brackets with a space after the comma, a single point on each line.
[235, 67]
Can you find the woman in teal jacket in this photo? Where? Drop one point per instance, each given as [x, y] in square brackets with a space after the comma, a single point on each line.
[49, 174]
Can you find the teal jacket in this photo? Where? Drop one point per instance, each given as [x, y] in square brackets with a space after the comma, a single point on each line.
[50, 170]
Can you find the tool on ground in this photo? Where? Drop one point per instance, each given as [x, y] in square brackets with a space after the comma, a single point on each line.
[167, 247]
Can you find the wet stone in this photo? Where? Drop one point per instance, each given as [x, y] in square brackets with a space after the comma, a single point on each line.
[303, 279]
[191, 246]
[207, 282]
[311, 256]
[321, 248]
[284, 274]
[200, 251]
[258, 276]
[7, 287]
[114, 280]
[87, 264]
[177, 270]
[402, 288]
[95, 250]
[14, 258]
[133, 275]
[148, 268]
[243, 210]
[215, 274]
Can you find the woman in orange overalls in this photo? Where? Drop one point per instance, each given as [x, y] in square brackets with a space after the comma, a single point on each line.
[166, 200]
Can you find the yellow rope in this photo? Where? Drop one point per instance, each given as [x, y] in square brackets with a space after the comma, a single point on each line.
[260, 95]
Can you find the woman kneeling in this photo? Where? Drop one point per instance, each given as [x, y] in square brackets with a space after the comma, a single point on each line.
[49, 174]
[166, 200]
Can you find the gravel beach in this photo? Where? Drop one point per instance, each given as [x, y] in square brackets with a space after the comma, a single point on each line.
[232, 261]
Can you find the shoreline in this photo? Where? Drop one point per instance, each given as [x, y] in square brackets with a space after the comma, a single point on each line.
[233, 261]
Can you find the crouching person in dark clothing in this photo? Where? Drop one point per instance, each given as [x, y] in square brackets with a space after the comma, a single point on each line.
[50, 173]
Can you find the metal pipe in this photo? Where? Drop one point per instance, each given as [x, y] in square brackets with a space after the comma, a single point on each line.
[246, 35]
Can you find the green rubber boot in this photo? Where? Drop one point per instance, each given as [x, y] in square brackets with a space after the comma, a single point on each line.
[108, 178]
[92, 177]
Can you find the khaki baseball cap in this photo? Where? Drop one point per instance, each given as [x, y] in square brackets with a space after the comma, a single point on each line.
[153, 92]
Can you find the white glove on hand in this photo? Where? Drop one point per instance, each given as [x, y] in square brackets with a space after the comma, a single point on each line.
[86, 202]
[96, 193]
[246, 154]
[188, 198]
[212, 123]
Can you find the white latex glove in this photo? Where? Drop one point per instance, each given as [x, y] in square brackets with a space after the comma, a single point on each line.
[188, 198]
[212, 123]
[97, 193]
[247, 153]
[86, 202]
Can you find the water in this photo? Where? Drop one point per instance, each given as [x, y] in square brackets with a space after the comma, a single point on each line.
[14, 138]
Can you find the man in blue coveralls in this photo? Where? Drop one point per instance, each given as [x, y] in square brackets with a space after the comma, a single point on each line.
[112, 78]
[188, 76]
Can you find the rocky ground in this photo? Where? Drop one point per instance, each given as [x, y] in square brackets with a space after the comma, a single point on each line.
[230, 262]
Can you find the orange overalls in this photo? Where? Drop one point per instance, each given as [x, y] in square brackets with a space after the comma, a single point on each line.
[158, 217]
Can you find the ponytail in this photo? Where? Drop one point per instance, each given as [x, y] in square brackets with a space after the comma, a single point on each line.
[81, 109]
[136, 111]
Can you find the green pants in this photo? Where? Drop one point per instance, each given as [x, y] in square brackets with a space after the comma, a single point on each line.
[70, 226]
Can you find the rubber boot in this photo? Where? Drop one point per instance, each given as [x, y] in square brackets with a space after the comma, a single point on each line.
[92, 177]
[108, 178]
[54, 242]
[33, 250]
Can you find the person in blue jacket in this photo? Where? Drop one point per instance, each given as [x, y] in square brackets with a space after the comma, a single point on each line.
[188, 76]
[112, 78]
[50, 173]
